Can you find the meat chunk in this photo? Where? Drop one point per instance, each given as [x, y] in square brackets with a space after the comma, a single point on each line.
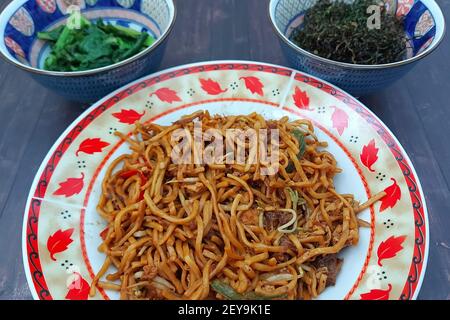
[287, 243]
[255, 184]
[274, 220]
[250, 217]
[152, 293]
[272, 125]
[192, 225]
[281, 257]
[333, 264]
[194, 188]
[149, 272]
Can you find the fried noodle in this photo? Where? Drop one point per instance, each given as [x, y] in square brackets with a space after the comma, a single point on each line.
[224, 231]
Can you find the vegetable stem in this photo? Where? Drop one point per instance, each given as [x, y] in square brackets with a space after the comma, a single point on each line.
[134, 49]
[302, 148]
[230, 294]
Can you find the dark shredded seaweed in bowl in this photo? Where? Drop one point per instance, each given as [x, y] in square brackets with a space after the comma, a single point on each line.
[339, 31]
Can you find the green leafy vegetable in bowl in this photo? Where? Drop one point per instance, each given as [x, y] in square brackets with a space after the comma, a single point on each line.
[83, 45]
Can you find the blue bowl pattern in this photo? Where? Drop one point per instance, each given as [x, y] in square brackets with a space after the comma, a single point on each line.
[22, 19]
[424, 23]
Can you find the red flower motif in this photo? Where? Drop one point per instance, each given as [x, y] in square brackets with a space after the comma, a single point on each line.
[377, 294]
[340, 120]
[389, 248]
[393, 194]
[211, 87]
[91, 146]
[369, 155]
[166, 95]
[59, 242]
[78, 288]
[70, 187]
[301, 99]
[128, 116]
[254, 85]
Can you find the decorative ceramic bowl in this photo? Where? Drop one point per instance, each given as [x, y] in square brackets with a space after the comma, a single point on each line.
[22, 19]
[424, 24]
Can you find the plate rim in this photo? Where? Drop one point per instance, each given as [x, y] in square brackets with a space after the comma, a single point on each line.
[295, 72]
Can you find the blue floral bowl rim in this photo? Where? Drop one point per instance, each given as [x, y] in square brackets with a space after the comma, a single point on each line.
[435, 44]
[11, 7]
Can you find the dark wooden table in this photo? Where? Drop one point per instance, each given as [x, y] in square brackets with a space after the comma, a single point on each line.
[416, 109]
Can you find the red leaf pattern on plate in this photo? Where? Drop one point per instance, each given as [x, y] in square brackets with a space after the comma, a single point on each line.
[128, 116]
[166, 95]
[377, 294]
[78, 289]
[369, 155]
[91, 146]
[59, 242]
[70, 187]
[211, 87]
[301, 99]
[254, 85]
[393, 194]
[340, 120]
[389, 248]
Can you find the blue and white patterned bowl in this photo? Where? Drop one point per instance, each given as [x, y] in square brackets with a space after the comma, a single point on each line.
[424, 23]
[22, 19]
